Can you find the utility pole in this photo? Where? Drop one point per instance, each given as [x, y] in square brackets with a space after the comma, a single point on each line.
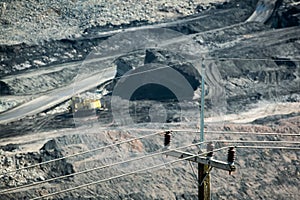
[202, 102]
[203, 182]
[203, 174]
[205, 164]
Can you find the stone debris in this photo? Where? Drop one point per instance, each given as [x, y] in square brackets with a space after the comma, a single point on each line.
[11, 161]
[33, 21]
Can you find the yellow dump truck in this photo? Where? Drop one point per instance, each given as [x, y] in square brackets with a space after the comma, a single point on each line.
[87, 106]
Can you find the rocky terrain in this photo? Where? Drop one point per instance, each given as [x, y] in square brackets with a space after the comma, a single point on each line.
[63, 19]
[270, 172]
[252, 79]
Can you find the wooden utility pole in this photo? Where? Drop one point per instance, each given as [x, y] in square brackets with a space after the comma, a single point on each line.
[203, 182]
[205, 164]
[203, 173]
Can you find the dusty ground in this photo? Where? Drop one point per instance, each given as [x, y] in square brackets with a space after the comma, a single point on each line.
[244, 98]
[34, 21]
[270, 169]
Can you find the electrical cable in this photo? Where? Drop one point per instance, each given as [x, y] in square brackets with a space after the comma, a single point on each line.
[216, 132]
[270, 147]
[210, 132]
[254, 59]
[125, 174]
[81, 153]
[253, 141]
[130, 160]
[193, 170]
[171, 162]
[233, 141]
[96, 168]
[211, 59]
[282, 59]
[252, 133]
[130, 140]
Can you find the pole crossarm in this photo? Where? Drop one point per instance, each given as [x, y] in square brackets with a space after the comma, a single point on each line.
[202, 160]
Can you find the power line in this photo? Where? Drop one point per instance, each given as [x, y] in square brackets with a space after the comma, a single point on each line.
[270, 147]
[210, 132]
[255, 59]
[194, 173]
[88, 151]
[211, 59]
[125, 174]
[236, 58]
[136, 117]
[142, 137]
[227, 141]
[156, 166]
[282, 59]
[231, 132]
[252, 141]
[196, 131]
[217, 132]
[96, 168]
[130, 160]
[252, 133]
[81, 153]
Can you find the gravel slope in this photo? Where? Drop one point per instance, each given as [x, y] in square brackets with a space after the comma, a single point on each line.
[274, 174]
[37, 20]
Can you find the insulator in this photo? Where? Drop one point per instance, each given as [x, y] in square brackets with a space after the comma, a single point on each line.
[231, 155]
[168, 135]
[210, 147]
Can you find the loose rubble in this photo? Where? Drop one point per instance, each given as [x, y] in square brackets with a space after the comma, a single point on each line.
[34, 21]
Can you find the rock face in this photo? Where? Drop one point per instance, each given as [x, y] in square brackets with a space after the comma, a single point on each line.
[156, 60]
[51, 150]
[286, 14]
[239, 82]
[4, 88]
[10, 162]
